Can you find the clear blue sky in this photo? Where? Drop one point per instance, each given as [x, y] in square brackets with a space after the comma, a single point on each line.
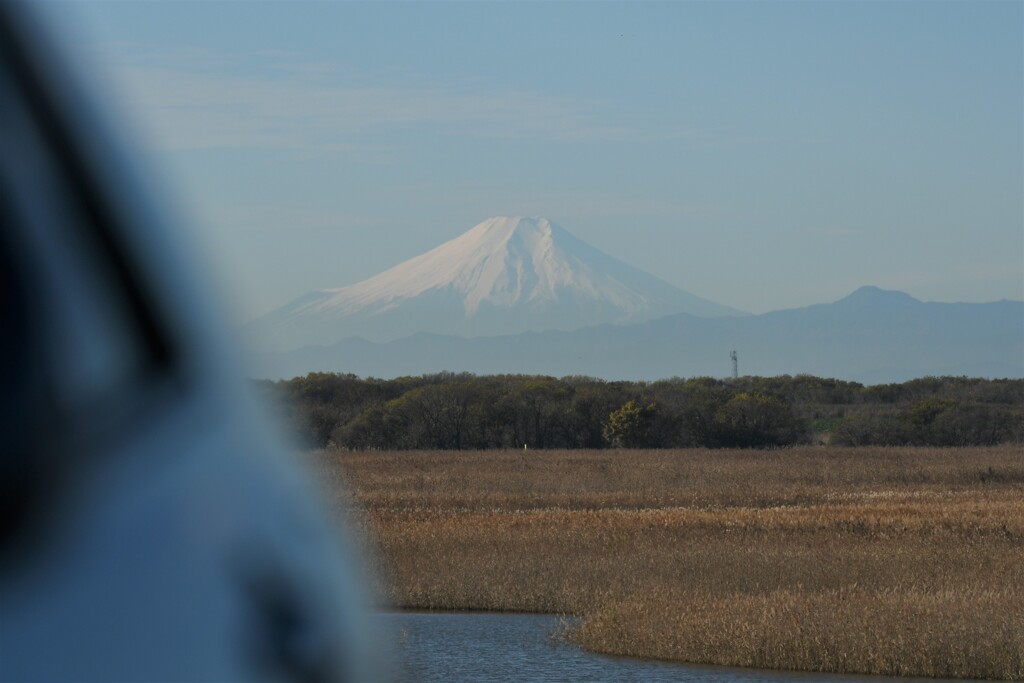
[761, 155]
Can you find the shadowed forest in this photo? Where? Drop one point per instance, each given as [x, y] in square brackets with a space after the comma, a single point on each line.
[449, 411]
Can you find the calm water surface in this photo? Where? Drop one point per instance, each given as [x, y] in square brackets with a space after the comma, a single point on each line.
[452, 647]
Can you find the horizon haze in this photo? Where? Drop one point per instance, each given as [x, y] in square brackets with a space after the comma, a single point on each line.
[872, 336]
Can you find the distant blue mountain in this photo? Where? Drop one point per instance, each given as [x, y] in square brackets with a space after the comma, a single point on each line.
[871, 336]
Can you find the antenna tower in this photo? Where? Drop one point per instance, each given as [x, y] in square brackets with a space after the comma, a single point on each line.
[735, 364]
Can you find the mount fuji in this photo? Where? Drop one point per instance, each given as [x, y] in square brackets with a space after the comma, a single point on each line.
[506, 275]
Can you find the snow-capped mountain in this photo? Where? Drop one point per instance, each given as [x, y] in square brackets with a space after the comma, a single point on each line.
[504, 276]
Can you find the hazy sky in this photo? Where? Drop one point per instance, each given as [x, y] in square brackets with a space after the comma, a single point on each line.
[761, 155]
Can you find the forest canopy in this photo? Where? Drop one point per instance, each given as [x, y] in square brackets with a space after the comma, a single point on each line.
[464, 411]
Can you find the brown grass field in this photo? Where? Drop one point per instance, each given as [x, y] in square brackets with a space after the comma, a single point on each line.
[867, 560]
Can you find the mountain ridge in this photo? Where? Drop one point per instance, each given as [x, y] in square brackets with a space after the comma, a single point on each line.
[863, 343]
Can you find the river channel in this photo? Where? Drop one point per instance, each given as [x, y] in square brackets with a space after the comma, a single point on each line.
[451, 647]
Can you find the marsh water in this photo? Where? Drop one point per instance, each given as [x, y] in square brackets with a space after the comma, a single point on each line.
[449, 647]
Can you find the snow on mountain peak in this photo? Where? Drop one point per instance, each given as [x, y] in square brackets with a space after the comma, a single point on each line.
[504, 275]
[502, 261]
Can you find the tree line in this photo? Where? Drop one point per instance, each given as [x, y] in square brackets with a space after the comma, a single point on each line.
[464, 411]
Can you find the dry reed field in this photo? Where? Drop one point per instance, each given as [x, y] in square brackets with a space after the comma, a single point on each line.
[868, 560]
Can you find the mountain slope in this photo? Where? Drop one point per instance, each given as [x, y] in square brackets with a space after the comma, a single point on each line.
[870, 336]
[505, 275]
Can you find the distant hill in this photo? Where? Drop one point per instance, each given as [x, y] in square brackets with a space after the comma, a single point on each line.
[504, 276]
[870, 336]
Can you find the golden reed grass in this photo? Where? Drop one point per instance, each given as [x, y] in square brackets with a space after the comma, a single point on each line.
[870, 560]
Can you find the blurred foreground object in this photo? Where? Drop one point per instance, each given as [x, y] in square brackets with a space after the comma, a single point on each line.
[149, 529]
